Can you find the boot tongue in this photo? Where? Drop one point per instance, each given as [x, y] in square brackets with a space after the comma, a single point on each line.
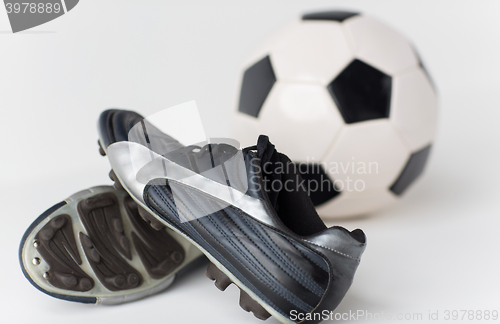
[272, 167]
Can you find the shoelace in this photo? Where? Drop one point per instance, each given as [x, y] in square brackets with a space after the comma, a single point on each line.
[269, 162]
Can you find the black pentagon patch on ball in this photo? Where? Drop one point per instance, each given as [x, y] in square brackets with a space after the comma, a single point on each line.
[339, 16]
[318, 184]
[361, 93]
[257, 82]
[413, 169]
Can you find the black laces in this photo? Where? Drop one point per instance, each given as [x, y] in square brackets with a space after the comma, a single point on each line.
[271, 166]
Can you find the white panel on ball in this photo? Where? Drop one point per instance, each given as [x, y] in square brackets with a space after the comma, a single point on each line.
[380, 45]
[295, 115]
[312, 52]
[371, 152]
[356, 203]
[414, 108]
[265, 48]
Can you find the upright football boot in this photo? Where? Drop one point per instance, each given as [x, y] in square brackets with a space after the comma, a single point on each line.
[246, 210]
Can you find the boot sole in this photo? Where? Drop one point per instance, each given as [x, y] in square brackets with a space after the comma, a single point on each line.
[94, 247]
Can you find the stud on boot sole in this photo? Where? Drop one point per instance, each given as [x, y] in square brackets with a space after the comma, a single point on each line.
[221, 280]
[114, 178]
[101, 150]
[246, 302]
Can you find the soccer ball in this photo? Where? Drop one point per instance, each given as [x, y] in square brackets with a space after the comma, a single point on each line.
[348, 100]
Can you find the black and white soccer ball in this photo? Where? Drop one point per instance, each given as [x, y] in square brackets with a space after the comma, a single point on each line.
[347, 98]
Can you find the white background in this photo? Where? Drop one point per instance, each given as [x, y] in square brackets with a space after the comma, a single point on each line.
[436, 250]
